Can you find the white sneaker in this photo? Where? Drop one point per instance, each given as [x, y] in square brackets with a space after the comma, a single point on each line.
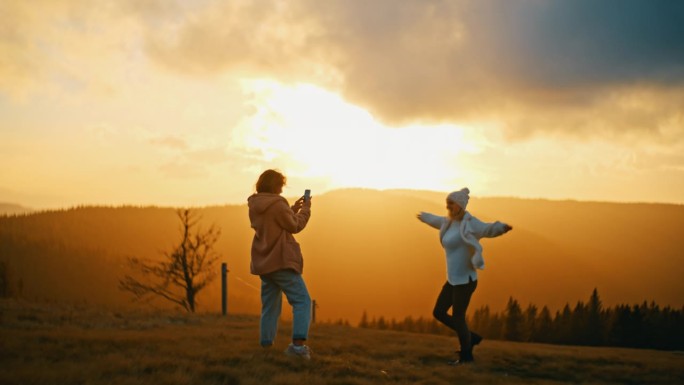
[298, 351]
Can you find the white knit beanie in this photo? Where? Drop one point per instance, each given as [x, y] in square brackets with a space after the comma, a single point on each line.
[460, 197]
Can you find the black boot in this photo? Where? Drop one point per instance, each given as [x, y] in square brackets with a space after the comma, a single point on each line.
[463, 359]
[475, 339]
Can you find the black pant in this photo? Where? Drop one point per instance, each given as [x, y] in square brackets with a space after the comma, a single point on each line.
[458, 298]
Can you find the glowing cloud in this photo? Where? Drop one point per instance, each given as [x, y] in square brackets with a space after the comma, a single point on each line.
[316, 134]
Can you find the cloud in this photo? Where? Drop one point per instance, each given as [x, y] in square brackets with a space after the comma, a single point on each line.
[535, 67]
[72, 45]
[639, 114]
[183, 170]
[450, 61]
[193, 163]
[171, 142]
[584, 43]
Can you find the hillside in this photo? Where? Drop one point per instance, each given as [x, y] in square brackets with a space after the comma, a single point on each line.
[57, 344]
[13, 209]
[365, 250]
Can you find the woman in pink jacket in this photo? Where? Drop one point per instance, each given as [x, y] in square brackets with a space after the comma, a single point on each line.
[459, 234]
[277, 259]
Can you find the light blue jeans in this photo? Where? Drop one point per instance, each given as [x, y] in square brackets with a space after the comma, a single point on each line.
[273, 285]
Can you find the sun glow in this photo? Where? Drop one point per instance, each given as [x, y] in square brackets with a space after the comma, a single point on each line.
[312, 133]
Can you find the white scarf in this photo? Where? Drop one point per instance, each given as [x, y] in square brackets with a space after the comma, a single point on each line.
[468, 236]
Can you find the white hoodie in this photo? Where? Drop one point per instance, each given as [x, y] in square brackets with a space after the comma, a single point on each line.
[471, 229]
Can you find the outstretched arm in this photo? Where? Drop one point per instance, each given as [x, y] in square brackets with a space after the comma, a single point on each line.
[489, 230]
[431, 219]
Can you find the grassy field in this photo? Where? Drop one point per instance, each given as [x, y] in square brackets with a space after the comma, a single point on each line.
[61, 344]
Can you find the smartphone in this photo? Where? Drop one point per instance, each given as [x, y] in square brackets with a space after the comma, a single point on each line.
[307, 194]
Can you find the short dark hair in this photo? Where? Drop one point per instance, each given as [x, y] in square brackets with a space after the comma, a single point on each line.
[270, 181]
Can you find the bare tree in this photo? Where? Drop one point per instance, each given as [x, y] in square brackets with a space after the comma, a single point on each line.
[183, 272]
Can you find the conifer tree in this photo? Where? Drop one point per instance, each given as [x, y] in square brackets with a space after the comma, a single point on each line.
[480, 321]
[364, 320]
[513, 322]
[595, 321]
[530, 323]
[544, 326]
[563, 326]
[382, 324]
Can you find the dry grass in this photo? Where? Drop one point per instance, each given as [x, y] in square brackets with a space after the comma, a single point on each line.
[59, 344]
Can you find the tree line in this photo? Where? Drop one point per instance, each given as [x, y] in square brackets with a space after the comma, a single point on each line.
[644, 325]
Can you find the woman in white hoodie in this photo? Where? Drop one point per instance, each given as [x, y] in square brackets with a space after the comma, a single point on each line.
[459, 235]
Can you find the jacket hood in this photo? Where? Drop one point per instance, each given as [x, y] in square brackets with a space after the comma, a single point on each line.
[260, 202]
[273, 247]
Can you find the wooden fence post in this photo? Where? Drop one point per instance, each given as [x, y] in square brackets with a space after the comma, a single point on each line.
[224, 288]
[314, 305]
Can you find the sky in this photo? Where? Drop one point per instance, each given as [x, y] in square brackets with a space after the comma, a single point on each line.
[185, 103]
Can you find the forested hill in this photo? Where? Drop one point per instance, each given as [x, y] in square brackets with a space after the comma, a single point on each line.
[13, 209]
[365, 250]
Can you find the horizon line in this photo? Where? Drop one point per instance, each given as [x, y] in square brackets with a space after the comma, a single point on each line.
[24, 209]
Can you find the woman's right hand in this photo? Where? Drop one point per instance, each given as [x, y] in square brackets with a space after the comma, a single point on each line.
[297, 205]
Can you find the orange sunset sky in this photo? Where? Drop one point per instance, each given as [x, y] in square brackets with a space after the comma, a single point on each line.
[186, 102]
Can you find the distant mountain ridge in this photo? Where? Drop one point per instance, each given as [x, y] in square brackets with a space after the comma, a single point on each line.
[365, 250]
[13, 209]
